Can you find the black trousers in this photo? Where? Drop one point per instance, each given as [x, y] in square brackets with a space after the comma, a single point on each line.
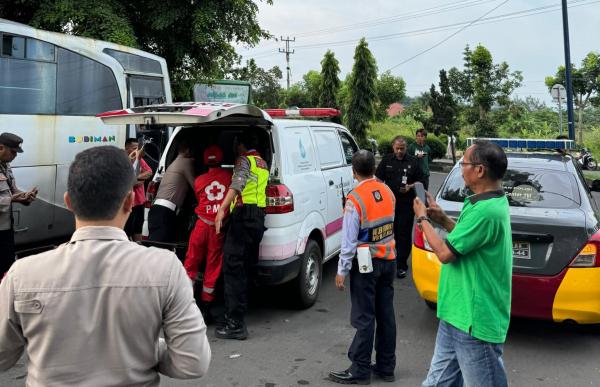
[426, 182]
[240, 255]
[7, 250]
[372, 296]
[403, 230]
[162, 224]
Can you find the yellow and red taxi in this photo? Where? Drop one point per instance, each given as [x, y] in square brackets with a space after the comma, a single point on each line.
[556, 239]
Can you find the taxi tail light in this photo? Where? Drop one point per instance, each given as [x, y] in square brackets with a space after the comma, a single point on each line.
[150, 194]
[589, 255]
[420, 241]
[279, 199]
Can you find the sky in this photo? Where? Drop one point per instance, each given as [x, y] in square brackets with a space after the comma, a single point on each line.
[527, 34]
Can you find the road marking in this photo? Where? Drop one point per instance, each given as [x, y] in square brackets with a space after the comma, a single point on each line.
[439, 173]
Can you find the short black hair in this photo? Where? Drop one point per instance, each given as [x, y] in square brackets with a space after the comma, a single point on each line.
[130, 140]
[421, 130]
[491, 156]
[399, 138]
[363, 163]
[249, 138]
[99, 180]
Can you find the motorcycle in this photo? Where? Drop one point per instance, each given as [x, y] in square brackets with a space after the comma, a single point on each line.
[586, 160]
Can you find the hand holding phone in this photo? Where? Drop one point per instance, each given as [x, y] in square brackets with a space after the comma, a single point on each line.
[420, 192]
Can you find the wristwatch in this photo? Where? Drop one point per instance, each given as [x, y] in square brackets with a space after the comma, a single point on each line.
[420, 219]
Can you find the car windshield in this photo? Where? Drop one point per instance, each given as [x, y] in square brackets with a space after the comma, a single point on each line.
[529, 187]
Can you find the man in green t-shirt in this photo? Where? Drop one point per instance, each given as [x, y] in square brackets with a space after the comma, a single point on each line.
[474, 291]
[422, 152]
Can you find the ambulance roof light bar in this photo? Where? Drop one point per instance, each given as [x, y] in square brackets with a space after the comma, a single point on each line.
[303, 113]
[527, 143]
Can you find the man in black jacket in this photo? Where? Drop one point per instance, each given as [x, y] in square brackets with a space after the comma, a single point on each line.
[400, 171]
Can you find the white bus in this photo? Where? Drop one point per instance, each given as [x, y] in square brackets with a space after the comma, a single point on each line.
[51, 87]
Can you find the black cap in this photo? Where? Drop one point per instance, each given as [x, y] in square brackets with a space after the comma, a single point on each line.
[12, 141]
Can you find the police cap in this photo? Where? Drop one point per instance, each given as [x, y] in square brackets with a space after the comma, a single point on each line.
[12, 141]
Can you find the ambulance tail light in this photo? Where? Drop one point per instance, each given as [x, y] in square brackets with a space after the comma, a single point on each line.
[279, 199]
[150, 194]
[589, 255]
[420, 240]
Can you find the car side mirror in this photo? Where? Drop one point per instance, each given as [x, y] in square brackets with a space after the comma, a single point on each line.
[595, 186]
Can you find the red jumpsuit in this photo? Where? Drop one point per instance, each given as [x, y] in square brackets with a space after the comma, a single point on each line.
[210, 189]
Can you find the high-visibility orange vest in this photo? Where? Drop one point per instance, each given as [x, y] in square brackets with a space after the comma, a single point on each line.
[375, 204]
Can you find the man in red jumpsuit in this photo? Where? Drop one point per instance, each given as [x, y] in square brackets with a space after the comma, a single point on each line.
[205, 243]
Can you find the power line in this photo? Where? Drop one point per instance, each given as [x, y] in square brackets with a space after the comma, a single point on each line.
[401, 17]
[448, 37]
[429, 30]
[392, 19]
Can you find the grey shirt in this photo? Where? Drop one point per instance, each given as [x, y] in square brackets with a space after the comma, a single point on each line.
[8, 188]
[90, 312]
[178, 179]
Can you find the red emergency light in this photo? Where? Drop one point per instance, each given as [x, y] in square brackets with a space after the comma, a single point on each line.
[304, 112]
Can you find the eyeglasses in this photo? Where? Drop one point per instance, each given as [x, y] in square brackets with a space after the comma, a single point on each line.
[463, 163]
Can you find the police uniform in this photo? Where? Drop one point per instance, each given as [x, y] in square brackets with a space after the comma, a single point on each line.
[390, 171]
[369, 222]
[205, 244]
[8, 188]
[245, 232]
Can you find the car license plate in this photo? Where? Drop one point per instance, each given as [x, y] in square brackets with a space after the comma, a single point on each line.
[521, 250]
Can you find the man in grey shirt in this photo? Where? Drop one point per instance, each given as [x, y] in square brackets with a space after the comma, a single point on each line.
[90, 312]
[174, 186]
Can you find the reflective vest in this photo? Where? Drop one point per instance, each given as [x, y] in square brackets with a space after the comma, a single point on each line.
[375, 204]
[255, 190]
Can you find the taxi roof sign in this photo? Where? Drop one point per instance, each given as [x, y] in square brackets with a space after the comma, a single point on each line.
[526, 143]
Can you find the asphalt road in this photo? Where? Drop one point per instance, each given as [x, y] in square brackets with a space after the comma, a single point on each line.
[288, 347]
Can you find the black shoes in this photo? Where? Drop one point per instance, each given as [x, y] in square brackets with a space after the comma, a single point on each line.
[382, 375]
[233, 329]
[400, 273]
[346, 377]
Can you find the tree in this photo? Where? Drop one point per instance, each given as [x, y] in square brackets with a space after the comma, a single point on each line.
[195, 37]
[266, 90]
[363, 94]
[482, 83]
[296, 96]
[330, 83]
[444, 109]
[312, 85]
[390, 89]
[586, 85]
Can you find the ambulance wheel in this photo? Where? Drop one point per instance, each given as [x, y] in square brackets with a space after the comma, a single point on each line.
[431, 305]
[307, 284]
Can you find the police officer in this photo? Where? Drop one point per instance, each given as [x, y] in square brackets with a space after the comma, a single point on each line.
[369, 223]
[400, 170]
[10, 145]
[247, 196]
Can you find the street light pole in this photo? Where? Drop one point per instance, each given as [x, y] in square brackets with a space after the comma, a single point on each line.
[569, 84]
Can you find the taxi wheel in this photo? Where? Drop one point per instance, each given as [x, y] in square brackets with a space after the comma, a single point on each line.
[431, 305]
[307, 284]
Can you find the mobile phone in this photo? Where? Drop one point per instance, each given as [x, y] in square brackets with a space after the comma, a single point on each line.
[420, 192]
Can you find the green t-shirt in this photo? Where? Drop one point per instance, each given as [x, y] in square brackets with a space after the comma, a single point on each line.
[415, 149]
[475, 289]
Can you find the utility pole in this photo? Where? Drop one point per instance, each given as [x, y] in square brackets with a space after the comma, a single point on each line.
[287, 53]
[569, 83]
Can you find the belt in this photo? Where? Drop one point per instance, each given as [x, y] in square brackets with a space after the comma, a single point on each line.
[166, 203]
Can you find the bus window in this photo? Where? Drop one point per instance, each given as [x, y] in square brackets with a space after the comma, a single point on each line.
[27, 87]
[146, 90]
[132, 62]
[13, 46]
[85, 87]
[38, 50]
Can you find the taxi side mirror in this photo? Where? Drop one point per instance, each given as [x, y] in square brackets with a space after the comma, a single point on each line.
[595, 186]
